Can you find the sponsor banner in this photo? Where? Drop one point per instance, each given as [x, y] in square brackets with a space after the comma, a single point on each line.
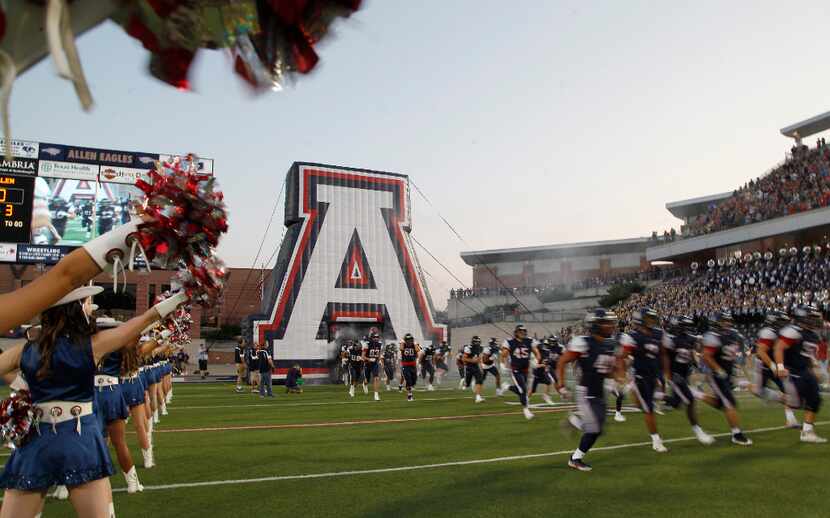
[128, 175]
[20, 148]
[19, 165]
[52, 169]
[8, 252]
[46, 254]
[95, 156]
[205, 164]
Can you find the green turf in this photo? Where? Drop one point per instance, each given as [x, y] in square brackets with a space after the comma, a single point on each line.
[75, 234]
[777, 476]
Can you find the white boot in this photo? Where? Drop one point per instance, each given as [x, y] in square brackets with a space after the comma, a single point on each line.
[133, 485]
[547, 399]
[461, 384]
[61, 493]
[149, 461]
[479, 399]
[499, 391]
[658, 446]
[169, 397]
[528, 414]
[156, 416]
[365, 389]
[112, 510]
[351, 390]
[377, 396]
[163, 408]
[619, 417]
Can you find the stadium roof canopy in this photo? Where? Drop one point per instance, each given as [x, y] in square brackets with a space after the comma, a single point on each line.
[808, 127]
[775, 227]
[583, 249]
[685, 209]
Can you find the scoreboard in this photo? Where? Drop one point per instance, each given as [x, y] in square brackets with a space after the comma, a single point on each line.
[16, 195]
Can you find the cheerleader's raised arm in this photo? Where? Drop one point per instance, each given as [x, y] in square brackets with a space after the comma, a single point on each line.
[20, 305]
[113, 339]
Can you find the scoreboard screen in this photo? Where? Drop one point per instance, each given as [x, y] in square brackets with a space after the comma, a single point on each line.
[16, 194]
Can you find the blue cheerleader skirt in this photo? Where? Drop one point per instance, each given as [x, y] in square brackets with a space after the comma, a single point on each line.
[59, 457]
[153, 375]
[110, 405]
[133, 390]
[144, 376]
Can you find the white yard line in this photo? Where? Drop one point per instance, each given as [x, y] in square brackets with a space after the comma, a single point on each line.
[355, 423]
[415, 467]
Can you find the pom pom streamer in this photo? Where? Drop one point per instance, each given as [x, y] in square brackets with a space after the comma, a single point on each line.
[17, 416]
[188, 218]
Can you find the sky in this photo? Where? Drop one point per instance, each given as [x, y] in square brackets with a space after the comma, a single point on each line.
[524, 123]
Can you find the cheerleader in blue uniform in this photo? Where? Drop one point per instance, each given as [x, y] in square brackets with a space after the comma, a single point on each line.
[133, 389]
[112, 410]
[66, 446]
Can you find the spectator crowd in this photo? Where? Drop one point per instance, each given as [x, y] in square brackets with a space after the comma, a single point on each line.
[799, 184]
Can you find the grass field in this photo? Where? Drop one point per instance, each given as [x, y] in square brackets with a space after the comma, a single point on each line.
[223, 454]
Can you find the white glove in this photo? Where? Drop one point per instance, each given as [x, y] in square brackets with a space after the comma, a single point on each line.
[166, 334]
[169, 305]
[116, 243]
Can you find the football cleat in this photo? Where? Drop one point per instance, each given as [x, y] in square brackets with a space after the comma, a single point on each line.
[351, 391]
[528, 414]
[619, 417]
[410, 397]
[499, 392]
[578, 465]
[575, 421]
[811, 437]
[430, 387]
[377, 396]
[741, 439]
[659, 447]
[547, 399]
[479, 399]
[704, 438]
[461, 384]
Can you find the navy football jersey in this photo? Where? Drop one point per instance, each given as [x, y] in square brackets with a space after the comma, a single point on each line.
[802, 345]
[597, 360]
[554, 352]
[356, 352]
[645, 350]
[409, 354]
[389, 354]
[373, 350]
[489, 355]
[520, 351]
[681, 350]
[726, 345]
[429, 352]
[473, 351]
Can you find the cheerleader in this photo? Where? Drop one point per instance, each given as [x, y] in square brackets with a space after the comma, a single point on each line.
[133, 390]
[66, 446]
[112, 409]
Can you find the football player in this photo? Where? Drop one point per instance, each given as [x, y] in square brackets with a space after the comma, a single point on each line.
[441, 367]
[542, 374]
[427, 367]
[644, 345]
[409, 363]
[371, 356]
[390, 359]
[720, 349]
[795, 353]
[518, 349]
[459, 364]
[596, 356]
[678, 357]
[472, 366]
[488, 364]
[355, 365]
[764, 364]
